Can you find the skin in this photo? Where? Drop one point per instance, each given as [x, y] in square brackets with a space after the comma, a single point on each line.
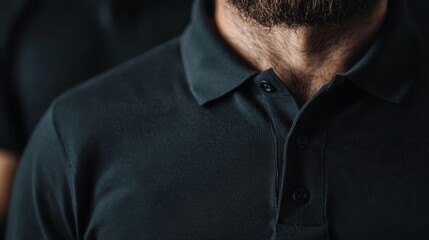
[304, 57]
[8, 165]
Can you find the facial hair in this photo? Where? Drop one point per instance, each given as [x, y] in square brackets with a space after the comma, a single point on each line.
[302, 13]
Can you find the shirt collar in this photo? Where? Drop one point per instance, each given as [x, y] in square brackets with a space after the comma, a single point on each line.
[390, 65]
[213, 69]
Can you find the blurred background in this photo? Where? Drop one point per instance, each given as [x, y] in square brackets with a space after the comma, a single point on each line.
[49, 46]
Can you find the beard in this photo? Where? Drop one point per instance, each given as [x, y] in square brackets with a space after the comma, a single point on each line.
[302, 13]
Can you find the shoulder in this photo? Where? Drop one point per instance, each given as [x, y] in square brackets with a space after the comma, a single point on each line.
[156, 68]
[137, 81]
[146, 87]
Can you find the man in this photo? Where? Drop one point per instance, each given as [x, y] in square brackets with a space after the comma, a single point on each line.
[267, 119]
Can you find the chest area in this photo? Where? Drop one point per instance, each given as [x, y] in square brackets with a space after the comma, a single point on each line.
[228, 179]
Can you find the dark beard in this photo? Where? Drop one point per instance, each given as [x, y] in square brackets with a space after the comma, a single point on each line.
[298, 13]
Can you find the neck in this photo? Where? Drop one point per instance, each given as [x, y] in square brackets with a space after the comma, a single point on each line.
[304, 58]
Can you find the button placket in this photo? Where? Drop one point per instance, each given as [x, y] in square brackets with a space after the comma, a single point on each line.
[304, 166]
[281, 109]
[296, 205]
[303, 181]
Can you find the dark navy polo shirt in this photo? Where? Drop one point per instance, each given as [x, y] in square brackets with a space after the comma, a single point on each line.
[189, 142]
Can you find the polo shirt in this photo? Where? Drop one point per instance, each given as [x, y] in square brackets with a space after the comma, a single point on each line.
[189, 142]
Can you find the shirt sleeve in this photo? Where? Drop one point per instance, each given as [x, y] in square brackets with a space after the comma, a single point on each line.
[41, 205]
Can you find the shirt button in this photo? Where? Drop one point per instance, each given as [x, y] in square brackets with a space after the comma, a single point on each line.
[301, 196]
[266, 86]
[302, 142]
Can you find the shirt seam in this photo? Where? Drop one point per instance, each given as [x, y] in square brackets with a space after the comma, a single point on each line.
[60, 140]
[277, 158]
[71, 170]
